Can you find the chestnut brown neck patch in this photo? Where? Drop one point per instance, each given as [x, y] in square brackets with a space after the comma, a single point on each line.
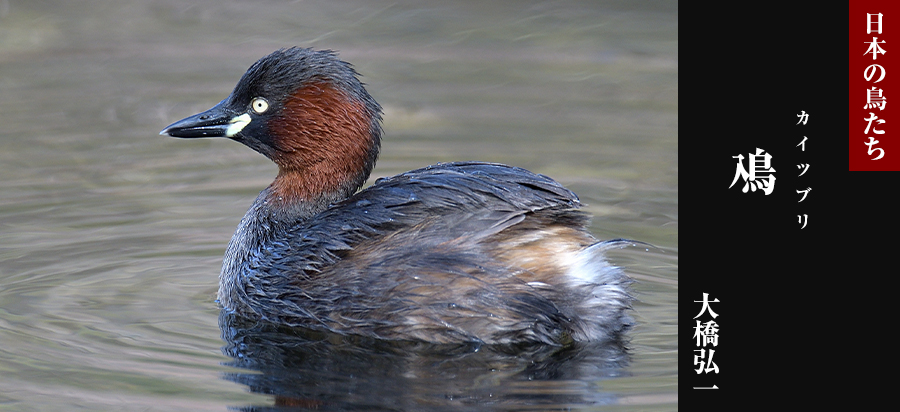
[324, 145]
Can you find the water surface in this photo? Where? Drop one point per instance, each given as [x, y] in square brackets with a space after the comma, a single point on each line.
[112, 236]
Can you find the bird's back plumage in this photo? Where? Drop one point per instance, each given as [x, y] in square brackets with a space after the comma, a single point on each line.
[437, 254]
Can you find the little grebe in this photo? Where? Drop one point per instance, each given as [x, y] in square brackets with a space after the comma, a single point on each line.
[455, 252]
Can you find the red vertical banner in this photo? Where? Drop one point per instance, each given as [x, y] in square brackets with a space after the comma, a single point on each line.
[874, 69]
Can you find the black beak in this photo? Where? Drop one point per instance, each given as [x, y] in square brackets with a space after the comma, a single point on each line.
[216, 122]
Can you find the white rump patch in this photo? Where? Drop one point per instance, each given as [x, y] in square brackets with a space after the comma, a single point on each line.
[589, 265]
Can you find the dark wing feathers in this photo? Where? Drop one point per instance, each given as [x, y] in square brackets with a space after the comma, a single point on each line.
[494, 195]
[417, 234]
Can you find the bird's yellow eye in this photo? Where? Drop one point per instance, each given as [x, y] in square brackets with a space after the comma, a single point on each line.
[259, 105]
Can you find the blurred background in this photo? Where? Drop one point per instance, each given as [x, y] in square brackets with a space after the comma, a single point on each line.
[112, 236]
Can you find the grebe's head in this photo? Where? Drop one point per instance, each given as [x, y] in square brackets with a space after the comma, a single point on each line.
[304, 109]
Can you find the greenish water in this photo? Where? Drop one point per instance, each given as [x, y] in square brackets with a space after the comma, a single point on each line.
[112, 236]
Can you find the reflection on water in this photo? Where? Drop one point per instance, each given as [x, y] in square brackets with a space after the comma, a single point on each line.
[327, 372]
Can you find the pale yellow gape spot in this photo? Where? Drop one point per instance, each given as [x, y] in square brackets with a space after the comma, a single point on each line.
[237, 124]
[258, 105]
